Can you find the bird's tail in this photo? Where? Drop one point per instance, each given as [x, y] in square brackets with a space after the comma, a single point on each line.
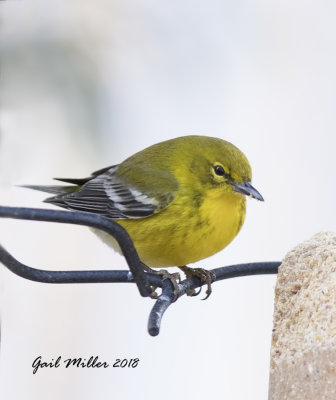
[53, 189]
[59, 193]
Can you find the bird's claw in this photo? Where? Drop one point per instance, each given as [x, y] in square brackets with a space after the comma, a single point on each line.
[205, 276]
[174, 278]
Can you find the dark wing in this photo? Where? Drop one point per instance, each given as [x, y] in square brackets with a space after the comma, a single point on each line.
[106, 193]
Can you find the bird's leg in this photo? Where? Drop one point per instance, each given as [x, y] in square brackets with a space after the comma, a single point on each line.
[174, 278]
[204, 275]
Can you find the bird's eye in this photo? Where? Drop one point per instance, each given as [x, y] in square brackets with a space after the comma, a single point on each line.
[219, 170]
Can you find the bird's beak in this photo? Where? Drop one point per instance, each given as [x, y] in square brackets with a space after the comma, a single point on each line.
[247, 189]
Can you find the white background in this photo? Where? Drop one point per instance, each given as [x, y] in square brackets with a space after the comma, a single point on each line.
[85, 85]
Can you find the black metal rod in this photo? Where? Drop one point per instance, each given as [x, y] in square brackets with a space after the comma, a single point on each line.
[89, 276]
[94, 221]
[162, 303]
[231, 271]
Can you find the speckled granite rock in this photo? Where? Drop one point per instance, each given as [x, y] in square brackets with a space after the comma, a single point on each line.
[303, 354]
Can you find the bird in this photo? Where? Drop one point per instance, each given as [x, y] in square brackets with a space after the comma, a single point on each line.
[181, 200]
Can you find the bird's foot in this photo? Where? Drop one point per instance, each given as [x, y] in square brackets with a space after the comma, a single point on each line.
[174, 278]
[204, 275]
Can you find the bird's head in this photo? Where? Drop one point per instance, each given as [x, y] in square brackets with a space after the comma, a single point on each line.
[220, 166]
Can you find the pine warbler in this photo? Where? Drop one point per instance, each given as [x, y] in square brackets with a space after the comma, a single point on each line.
[180, 200]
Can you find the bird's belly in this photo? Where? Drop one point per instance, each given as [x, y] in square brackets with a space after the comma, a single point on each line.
[167, 239]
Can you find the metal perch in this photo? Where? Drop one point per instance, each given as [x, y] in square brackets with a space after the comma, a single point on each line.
[144, 280]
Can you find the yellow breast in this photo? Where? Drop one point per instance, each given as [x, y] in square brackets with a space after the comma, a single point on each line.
[178, 236]
[223, 216]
